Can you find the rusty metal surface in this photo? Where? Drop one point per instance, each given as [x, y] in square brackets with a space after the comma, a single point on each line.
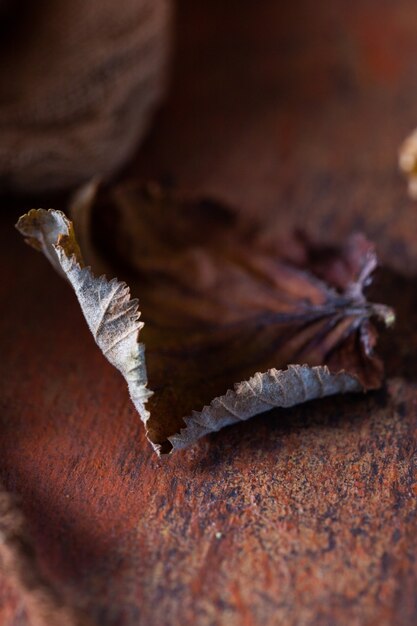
[306, 516]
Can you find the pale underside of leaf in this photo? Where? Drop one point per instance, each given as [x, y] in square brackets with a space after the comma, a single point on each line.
[113, 319]
[112, 316]
[262, 392]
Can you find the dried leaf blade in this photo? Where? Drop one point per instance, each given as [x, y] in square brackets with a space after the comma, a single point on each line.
[262, 392]
[221, 303]
[112, 316]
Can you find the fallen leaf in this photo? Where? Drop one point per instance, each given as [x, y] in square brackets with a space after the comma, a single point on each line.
[112, 316]
[223, 297]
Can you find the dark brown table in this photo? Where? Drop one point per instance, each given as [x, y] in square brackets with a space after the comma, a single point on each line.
[297, 517]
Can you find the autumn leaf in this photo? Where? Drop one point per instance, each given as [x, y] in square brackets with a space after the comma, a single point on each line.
[224, 299]
[112, 316]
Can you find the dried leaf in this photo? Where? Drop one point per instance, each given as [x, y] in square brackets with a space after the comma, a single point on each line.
[223, 297]
[19, 565]
[112, 316]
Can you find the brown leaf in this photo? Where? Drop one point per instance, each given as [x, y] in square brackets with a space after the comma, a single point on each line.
[222, 298]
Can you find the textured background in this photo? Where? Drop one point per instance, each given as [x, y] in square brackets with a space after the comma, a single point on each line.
[78, 83]
[302, 517]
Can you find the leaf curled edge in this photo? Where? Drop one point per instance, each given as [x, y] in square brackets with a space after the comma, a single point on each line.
[262, 392]
[47, 231]
[112, 316]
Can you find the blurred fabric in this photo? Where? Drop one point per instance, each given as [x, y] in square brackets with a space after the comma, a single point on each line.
[78, 83]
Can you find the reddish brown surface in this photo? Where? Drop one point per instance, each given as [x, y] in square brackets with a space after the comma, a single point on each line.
[300, 517]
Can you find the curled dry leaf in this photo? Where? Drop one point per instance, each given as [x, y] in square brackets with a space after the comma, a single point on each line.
[224, 299]
[18, 563]
[408, 162]
[112, 316]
